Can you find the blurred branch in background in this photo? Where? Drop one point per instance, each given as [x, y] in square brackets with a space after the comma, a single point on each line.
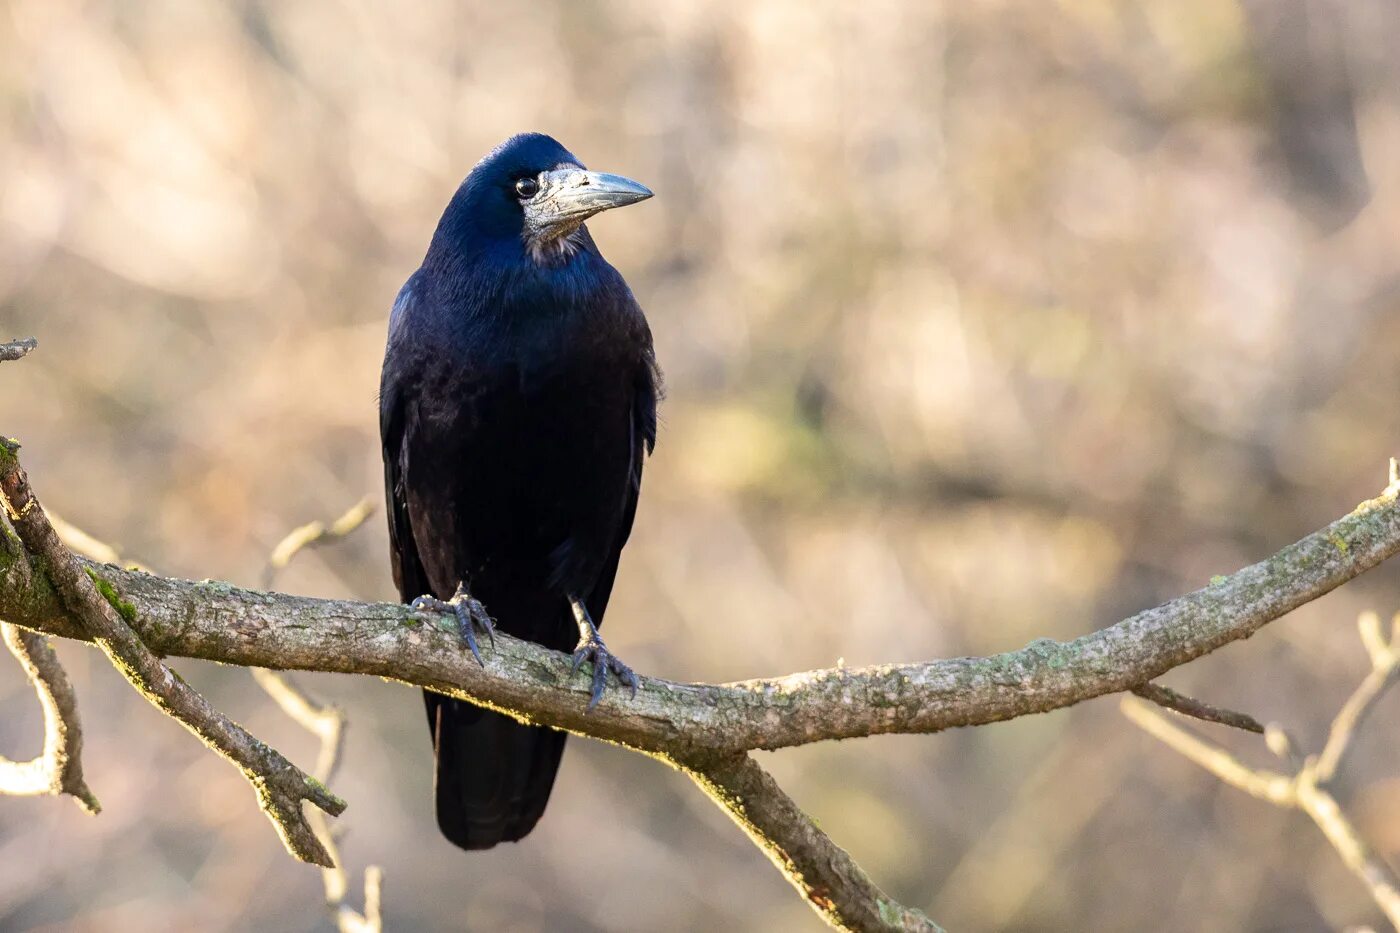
[326, 722]
[314, 535]
[104, 616]
[704, 729]
[1309, 788]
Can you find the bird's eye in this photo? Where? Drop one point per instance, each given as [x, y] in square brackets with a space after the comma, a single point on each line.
[527, 187]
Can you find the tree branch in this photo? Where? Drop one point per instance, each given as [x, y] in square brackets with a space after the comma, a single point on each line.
[315, 534]
[1267, 785]
[17, 349]
[220, 622]
[1167, 698]
[327, 723]
[280, 785]
[1307, 789]
[1385, 670]
[706, 729]
[825, 875]
[59, 768]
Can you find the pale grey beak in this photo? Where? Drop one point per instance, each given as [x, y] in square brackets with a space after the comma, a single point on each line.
[572, 195]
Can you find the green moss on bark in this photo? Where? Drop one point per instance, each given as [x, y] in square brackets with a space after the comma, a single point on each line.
[109, 592]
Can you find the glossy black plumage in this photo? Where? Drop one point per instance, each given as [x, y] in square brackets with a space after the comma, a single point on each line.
[517, 402]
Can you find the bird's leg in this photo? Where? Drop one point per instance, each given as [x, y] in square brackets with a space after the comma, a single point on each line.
[591, 647]
[470, 613]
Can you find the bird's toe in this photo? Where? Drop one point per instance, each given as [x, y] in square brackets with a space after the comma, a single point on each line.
[603, 661]
[469, 613]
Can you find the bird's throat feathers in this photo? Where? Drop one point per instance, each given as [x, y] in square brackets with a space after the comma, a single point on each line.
[549, 248]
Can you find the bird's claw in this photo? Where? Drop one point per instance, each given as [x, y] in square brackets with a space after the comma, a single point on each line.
[470, 615]
[593, 649]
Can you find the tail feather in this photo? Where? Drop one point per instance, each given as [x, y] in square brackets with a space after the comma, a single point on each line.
[493, 775]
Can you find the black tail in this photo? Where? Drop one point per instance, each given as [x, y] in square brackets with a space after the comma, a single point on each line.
[493, 775]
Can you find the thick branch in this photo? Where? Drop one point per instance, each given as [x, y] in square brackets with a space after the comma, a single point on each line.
[220, 622]
[823, 873]
[280, 785]
[59, 768]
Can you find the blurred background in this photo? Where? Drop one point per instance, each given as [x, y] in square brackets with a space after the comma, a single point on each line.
[981, 322]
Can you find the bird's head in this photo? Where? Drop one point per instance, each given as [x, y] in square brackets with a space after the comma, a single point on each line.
[533, 192]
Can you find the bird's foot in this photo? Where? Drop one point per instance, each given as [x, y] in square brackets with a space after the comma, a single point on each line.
[591, 648]
[470, 613]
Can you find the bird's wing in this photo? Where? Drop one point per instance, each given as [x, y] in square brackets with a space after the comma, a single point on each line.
[409, 575]
[646, 393]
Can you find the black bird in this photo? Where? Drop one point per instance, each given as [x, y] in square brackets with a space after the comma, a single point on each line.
[517, 402]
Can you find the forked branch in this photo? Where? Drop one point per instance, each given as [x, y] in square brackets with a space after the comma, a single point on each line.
[1308, 788]
[105, 618]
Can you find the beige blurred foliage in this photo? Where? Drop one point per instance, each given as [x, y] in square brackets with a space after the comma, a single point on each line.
[981, 322]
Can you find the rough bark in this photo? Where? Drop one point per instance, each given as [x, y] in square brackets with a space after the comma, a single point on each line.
[220, 622]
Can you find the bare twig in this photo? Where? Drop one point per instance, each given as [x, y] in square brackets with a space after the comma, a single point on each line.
[280, 785]
[327, 723]
[324, 721]
[17, 349]
[1267, 785]
[1306, 790]
[1385, 670]
[59, 768]
[80, 542]
[1167, 698]
[315, 534]
[822, 872]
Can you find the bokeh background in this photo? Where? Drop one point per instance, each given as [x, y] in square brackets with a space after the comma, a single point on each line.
[981, 322]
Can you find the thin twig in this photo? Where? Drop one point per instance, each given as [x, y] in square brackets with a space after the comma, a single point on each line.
[1385, 671]
[327, 723]
[280, 785]
[324, 721]
[59, 768]
[823, 873]
[1378, 877]
[81, 542]
[1306, 790]
[315, 534]
[1267, 785]
[1167, 698]
[17, 349]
